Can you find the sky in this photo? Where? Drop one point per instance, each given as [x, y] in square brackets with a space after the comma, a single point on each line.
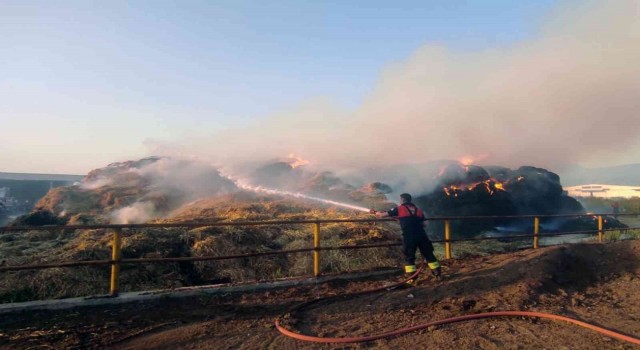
[87, 83]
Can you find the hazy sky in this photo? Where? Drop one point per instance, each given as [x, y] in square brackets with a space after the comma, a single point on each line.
[86, 83]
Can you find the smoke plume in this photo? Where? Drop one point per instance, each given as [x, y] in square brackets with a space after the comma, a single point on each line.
[150, 188]
[139, 212]
[570, 94]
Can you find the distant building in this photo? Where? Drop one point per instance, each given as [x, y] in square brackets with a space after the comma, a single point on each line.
[41, 177]
[6, 201]
[603, 191]
[19, 192]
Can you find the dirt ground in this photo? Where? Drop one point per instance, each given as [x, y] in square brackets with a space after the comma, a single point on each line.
[597, 283]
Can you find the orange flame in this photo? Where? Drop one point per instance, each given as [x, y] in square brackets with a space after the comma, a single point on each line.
[469, 160]
[466, 161]
[296, 161]
[491, 186]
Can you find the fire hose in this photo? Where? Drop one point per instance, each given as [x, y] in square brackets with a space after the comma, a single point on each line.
[401, 331]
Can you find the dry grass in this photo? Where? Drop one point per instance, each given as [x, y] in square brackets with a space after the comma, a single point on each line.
[43, 247]
[613, 236]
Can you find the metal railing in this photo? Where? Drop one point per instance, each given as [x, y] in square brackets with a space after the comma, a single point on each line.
[116, 257]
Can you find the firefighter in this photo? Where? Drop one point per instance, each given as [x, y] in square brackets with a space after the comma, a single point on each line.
[412, 222]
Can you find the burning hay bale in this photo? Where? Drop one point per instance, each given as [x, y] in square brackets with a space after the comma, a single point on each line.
[469, 190]
[135, 191]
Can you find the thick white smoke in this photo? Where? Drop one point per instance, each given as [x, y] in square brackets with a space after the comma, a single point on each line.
[569, 95]
[139, 212]
[157, 185]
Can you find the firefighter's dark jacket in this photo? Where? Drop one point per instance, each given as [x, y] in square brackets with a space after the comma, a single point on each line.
[411, 218]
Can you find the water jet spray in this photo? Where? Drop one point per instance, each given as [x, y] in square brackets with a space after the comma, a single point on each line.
[261, 189]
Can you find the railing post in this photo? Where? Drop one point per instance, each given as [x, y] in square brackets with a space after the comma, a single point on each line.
[115, 265]
[600, 227]
[536, 232]
[447, 239]
[316, 252]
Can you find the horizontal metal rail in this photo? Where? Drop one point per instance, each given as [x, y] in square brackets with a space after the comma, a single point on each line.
[188, 258]
[57, 265]
[362, 246]
[542, 235]
[219, 222]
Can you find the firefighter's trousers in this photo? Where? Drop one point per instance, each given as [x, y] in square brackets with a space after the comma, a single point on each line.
[412, 241]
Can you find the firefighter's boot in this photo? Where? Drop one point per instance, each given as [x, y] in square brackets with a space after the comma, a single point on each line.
[436, 270]
[409, 270]
[437, 273]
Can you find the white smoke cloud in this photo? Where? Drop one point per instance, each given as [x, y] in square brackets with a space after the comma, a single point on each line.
[193, 178]
[569, 95]
[155, 185]
[97, 183]
[137, 213]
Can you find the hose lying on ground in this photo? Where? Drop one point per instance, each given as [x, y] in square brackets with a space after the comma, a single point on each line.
[281, 329]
